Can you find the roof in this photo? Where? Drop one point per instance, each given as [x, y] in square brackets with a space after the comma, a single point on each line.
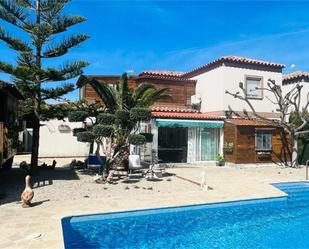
[233, 59]
[173, 109]
[181, 113]
[295, 77]
[250, 122]
[162, 73]
[184, 115]
[11, 89]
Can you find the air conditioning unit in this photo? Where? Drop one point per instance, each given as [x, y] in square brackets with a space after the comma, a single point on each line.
[196, 101]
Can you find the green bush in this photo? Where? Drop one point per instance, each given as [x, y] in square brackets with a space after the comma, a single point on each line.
[219, 158]
[106, 118]
[77, 116]
[136, 139]
[140, 114]
[103, 130]
[122, 117]
[85, 136]
[78, 130]
[148, 137]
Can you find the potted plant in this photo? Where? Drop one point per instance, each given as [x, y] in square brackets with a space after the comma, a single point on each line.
[220, 160]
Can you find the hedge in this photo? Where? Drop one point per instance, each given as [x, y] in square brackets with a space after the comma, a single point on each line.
[106, 118]
[77, 116]
[136, 139]
[103, 130]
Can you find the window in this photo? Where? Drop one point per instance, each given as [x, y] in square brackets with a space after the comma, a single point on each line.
[263, 141]
[252, 83]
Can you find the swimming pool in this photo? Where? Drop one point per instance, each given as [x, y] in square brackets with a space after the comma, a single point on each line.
[264, 223]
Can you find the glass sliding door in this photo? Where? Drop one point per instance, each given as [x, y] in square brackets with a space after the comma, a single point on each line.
[207, 144]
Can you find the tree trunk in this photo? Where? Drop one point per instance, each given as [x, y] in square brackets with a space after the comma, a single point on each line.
[35, 143]
[303, 151]
[294, 161]
[120, 159]
[37, 98]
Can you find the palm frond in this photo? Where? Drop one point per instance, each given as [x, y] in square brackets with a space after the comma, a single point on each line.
[122, 92]
[153, 95]
[104, 91]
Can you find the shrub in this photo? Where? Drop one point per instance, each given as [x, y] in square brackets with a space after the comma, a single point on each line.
[122, 117]
[219, 158]
[103, 130]
[106, 118]
[77, 116]
[140, 114]
[78, 130]
[148, 137]
[85, 136]
[136, 139]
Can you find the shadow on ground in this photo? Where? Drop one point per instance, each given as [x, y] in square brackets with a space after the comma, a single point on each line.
[12, 182]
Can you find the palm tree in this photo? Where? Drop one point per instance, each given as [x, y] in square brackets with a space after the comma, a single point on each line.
[120, 101]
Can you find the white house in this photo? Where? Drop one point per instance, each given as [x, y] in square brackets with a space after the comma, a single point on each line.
[225, 74]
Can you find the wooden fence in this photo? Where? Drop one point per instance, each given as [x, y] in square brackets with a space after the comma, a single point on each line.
[1, 142]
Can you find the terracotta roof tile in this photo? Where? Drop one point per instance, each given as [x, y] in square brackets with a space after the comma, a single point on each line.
[238, 59]
[295, 77]
[249, 122]
[184, 115]
[162, 73]
[173, 109]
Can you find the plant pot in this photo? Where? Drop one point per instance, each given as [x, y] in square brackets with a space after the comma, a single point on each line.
[220, 163]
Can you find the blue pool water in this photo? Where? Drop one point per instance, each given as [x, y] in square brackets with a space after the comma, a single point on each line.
[265, 223]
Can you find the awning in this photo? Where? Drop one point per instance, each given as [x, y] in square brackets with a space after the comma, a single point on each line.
[189, 123]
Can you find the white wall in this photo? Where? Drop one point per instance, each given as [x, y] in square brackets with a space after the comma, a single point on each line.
[209, 86]
[54, 143]
[213, 84]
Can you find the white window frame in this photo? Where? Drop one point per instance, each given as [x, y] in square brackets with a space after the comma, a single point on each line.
[257, 78]
[263, 133]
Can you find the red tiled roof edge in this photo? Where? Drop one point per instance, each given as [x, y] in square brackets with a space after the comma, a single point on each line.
[163, 77]
[181, 115]
[238, 59]
[250, 122]
[173, 109]
[162, 73]
[295, 77]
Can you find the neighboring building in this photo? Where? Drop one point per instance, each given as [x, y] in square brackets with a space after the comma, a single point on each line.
[189, 128]
[225, 73]
[57, 140]
[9, 96]
[299, 77]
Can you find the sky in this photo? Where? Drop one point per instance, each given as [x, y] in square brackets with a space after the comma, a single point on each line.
[182, 35]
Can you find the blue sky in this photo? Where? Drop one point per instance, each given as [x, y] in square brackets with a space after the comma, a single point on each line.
[182, 35]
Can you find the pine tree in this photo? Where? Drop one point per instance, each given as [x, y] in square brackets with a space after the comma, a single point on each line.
[42, 21]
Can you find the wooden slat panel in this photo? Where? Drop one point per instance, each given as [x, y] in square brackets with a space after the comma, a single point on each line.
[1, 142]
[229, 137]
[180, 92]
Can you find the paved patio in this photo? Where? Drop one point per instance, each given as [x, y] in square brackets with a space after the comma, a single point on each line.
[65, 192]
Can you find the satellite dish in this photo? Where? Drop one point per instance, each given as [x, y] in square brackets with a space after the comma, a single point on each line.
[293, 67]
